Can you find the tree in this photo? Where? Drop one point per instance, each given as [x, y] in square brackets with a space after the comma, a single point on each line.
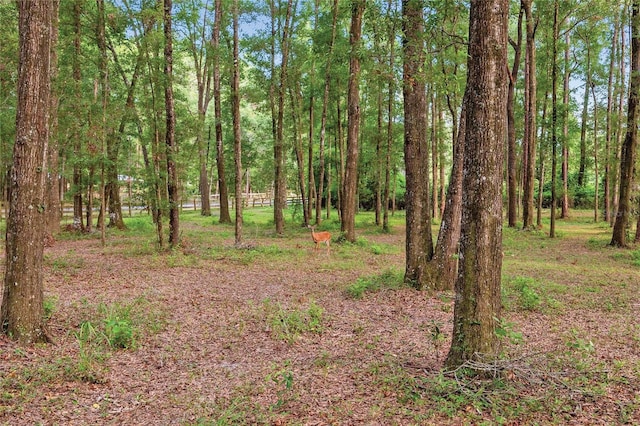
[350, 183]
[444, 262]
[512, 181]
[280, 189]
[628, 155]
[54, 212]
[419, 244]
[531, 109]
[21, 313]
[77, 126]
[202, 50]
[554, 119]
[390, 111]
[171, 147]
[225, 217]
[323, 119]
[235, 95]
[477, 303]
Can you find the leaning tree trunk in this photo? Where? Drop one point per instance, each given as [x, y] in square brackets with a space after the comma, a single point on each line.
[478, 302]
[628, 155]
[21, 312]
[445, 260]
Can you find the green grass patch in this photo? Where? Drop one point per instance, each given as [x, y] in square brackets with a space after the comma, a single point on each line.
[289, 324]
[389, 280]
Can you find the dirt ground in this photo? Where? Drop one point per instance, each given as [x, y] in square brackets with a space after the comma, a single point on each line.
[210, 354]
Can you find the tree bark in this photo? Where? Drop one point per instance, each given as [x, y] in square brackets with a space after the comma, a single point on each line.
[531, 110]
[78, 223]
[390, 111]
[554, 120]
[478, 302]
[628, 155]
[585, 116]
[280, 186]
[445, 260]
[170, 135]
[419, 244]
[609, 121]
[225, 216]
[565, 131]
[350, 183]
[21, 311]
[237, 141]
[54, 214]
[512, 170]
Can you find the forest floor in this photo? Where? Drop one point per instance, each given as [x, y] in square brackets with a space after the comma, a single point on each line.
[276, 334]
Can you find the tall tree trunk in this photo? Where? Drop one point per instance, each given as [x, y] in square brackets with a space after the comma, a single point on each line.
[350, 183]
[237, 140]
[541, 161]
[585, 117]
[170, 135]
[434, 157]
[620, 107]
[554, 119]
[296, 101]
[225, 216]
[609, 124]
[129, 114]
[628, 155]
[201, 52]
[512, 170]
[419, 245]
[565, 131]
[323, 119]
[596, 177]
[477, 309]
[280, 187]
[390, 111]
[341, 149]
[105, 133]
[21, 312]
[531, 110]
[53, 212]
[77, 139]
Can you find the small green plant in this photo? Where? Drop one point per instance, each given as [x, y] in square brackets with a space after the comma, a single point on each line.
[289, 324]
[527, 297]
[505, 330]
[389, 279]
[576, 343]
[437, 336]
[118, 327]
[283, 379]
[119, 333]
[49, 306]
[90, 356]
